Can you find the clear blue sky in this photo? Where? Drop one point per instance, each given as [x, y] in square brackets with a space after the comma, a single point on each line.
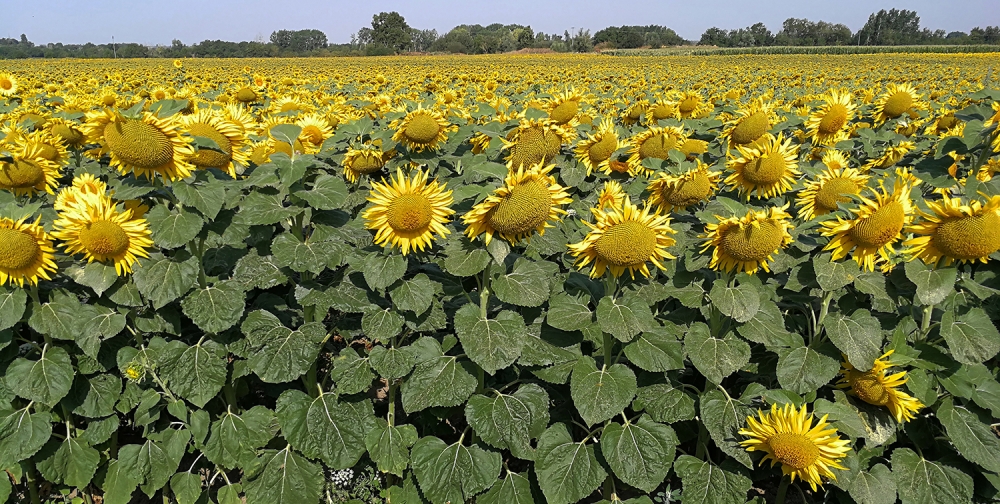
[151, 23]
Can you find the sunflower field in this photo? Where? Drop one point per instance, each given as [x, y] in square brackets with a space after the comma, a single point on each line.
[695, 279]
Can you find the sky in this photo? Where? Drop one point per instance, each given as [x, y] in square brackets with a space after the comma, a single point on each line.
[191, 21]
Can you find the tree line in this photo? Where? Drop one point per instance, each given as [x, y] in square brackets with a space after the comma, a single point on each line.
[389, 33]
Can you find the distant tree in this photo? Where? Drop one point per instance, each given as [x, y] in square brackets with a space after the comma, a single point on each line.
[421, 40]
[890, 27]
[523, 37]
[389, 29]
[715, 36]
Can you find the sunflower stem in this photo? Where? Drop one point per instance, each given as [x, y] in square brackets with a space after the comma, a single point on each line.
[823, 312]
[925, 321]
[391, 417]
[608, 344]
[32, 475]
[782, 490]
[309, 380]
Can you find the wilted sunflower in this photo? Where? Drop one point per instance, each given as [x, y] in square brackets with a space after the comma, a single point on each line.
[25, 252]
[897, 100]
[535, 141]
[363, 161]
[955, 232]
[676, 192]
[29, 172]
[563, 107]
[611, 196]
[788, 437]
[874, 387]
[656, 143]
[662, 109]
[767, 169]
[146, 146]
[528, 199]
[752, 122]
[747, 243]
[595, 151]
[876, 225]
[47, 146]
[408, 211]
[421, 129]
[8, 85]
[822, 194]
[624, 237]
[830, 123]
[226, 134]
[945, 125]
[96, 228]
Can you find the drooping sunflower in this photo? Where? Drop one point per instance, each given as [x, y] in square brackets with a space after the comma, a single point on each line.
[48, 146]
[747, 243]
[563, 107]
[830, 123]
[26, 252]
[624, 238]
[634, 112]
[656, 143]
[528, 199]
[29, 173]
[690, 104]
[315, 130]
[822, 194]
[421, 129]
[766, 170]
[751, 123]
[897, 100]
[535, 141]
[226, 134]
[677, 192]
[788, 437]
[84, 183]
[595, 151]
[611, 195]
[892, 155]
[364, 160]
[407, 212]
[146, 146]
[945, 125]
[876, 226]
[98, 229]
[8, 85]
[955, 232]
[67, 131]
[874, 387]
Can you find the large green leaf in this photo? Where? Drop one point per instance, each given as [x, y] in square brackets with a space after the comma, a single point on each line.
[381, 324]
[253, 271]
[832, 275]
[58, 318]
[327, 192]
[12, 305]
[22, 434]
[972, 337]
[714, 357]
[974, 439]
[390, 362]
[96, 275]
[439, 381]
[415, 294]
[264, 207]
[163, 280]
[803, 369]
[95, 396]
[173, 229]
[767, 326]
[325, 428]
[279, 353]
[664, 403]
[874, 486]
[186, 487]
[463, 258]
[382, 271]
[235, 438]
[625, 317]
[453, 473]
[567, 470]
[657, 349]
[858, 336]
[207, 197]
[154, 461]
[706, 483]
[308, 255]
[351, 373]
[724, 416]
[119, 483]
[492, 343]
[73, 463]
[920, 481]
[46, 380]
[510, 421]
[740, 302]
[196, 373]
[639, 453]
[513, 489]
[601, 393]
[216, 307]
[284, 477]
[569, 313]
[389, 446]
[933, 284]
[526, 285]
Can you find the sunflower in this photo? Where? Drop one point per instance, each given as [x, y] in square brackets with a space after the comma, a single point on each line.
[563, 107]
[822, 194]
[955, 232]
[226, 134]
[656, 143]
[624, 237]
[47, 146]
[874, 387]
[611, 196]
[363, 161]
[634, 112]
[750, 124]
[240, 116]
[892, 155]
[528, 199]
[535, 141]
[8, 85]
[691, 105]
[25, 252]
[84, 183]
[595, 151]
[676, 192]
[421, 129]
[315, 130]
[291, 105]
[147, 146]
[408, 211]
[945, 125]
[692, 148]
[897, 100]
[96, 228]
[876, 225]
[67, 131]
[29, 172]
[662, 109]
[767, 169]
[830, 123]
[787, 436]
[747, 243]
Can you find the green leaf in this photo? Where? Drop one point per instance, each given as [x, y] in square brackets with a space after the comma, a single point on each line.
[391, 363]
[382, 271]
[600, 394]
[767, 326]
[327, 193]
[324, 428]
[154, 461]
[284, 478]
[920, 481]
[22, 434]
[381, 324]
[706, 483]
[287, 133]
[440, 381]
[657, 350]
[173, 229]
[874, 486]
[832, 275]
[186, 487]
[453, 473]
[858, 336]
[972, 338]
[216, 307]
[230, 494]
[567, 471]
[196, 373]
[234, 439]
[12, 305]
[664, 403]
[301, 256]
[463, 258]
[73, 464]
[569, 313]
[97, 395]
[265, 208]
[713, 357]
[505, 421]
[640, 453]
[873, 283]
[389, 446]
[513, 489]
[740, 302]
[933, 284]
[973, 439]
[526, 285]
[57, 318]
[119, 483]
[46, 380]
[724, 416]
[279, 353]
[415, 294]
[351, 373]
[803, 369]
[208, 198]
[164, 280]
[96, 275]
[253, 271]
[493, 344]
[624, 318]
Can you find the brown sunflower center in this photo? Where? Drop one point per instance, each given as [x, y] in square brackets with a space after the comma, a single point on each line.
[531, 147]
[767, 169]
[688, 191]
[833, 120]
[970, 237]
[21, 174]
[422, 129]
[618, 166]
[897, 103]
[832, 192]
[209, 158]
[880, 227]
[794, 450]
[626, 244]
[603, 149]
[139, 144]
[750, 128]
[869, 388]
[565, 111]
[657, 146]
[526, 208]
[104, 238]
[6, 84]
[752, 242]
[18, 250]
[409, 212]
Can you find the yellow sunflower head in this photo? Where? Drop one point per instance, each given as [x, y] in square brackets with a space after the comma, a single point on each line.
[954, 232]
[656, 143]
[634, 112]
[750, 124]
[528, 199]
[534, 142]
[897, 100]
[84, 183]
[788, 437]
[766, 170]
[227, 135]
[98, 229]
[564, 106]
[47, 146]
[677, 192]
[823, 194]
[146, 146]
[595, 152]
[67, 131]
[879, 388]
[421, 129]
[364, 160]
[892, 155]
[315, 130]
[747, 243]
[26, 252]
[690, 104]
[8, 85]
[831, 122]
[611, 196]
[29, 172]
[407, 212]
[624, 238]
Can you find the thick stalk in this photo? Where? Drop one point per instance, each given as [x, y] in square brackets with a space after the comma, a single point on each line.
[32, 476]
[309, 380]
[782, 490]
[608, 345]
[391, 418]
[925, 321]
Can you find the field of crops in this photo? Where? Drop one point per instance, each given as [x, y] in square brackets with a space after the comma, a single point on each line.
[721, 279]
